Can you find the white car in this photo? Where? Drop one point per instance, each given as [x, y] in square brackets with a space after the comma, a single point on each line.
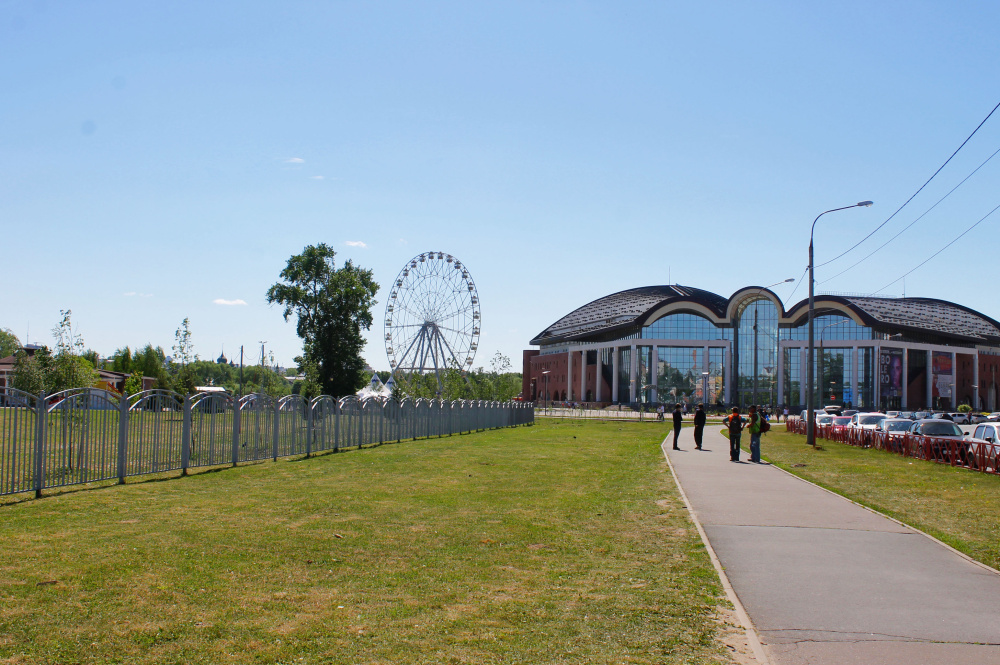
[867, 420]
[895, 425]
[984, 446]
[959, 418]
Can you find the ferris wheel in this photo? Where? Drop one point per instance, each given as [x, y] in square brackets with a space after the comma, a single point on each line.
[432, 316]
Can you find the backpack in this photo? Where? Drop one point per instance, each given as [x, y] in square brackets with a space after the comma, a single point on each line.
[764, 425]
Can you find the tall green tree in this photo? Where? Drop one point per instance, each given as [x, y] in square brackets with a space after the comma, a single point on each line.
[9, 343]
[333, 306]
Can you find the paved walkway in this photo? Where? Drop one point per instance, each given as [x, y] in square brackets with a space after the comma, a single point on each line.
[826, 581]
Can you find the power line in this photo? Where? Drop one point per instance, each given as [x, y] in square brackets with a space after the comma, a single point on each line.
[853, 247]
[907, 227]
[797, 282]
[981, 220]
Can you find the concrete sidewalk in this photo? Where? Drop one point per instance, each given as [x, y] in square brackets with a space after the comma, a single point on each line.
[826, 581]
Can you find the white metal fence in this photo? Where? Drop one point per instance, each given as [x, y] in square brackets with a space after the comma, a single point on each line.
[86, 435]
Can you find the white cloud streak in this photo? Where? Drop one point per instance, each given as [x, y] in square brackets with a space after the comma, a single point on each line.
[295, 160]
[223, 301]
[356, 243]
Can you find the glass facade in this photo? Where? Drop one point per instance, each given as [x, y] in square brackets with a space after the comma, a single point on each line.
[643, 384]
[679, 377]
[684, 325]
[756, 346]
[829, 327]
[747, 370]
[867, 379]
[624, 374]
[793, 376]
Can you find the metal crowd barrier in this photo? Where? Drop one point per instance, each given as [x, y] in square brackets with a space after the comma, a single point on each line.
[86, 435]
[975, 455]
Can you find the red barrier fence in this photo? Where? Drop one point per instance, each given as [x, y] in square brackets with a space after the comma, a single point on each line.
[975, 455]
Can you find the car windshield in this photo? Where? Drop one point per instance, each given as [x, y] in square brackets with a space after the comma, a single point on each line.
[842, 420]
[897, 425]
[940, 429]
[871, 420]
[824, 420]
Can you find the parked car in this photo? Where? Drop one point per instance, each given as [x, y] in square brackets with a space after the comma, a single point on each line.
[976, 418]
[922, 415]
[824, 419]
[841, 422]
[867, 420]
[832, 410]
[895, 425]
[984, 446]
[848, 412]
[994, 417]
[938, 429]
[892, 414]
[959, 418]
[907, 414]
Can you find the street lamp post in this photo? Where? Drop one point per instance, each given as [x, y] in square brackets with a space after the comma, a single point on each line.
[753, 399]
[546, 375]
[704, 388]
[810, 397]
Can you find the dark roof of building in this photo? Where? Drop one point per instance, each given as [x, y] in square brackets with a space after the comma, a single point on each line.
[627, 309]
[622, 309]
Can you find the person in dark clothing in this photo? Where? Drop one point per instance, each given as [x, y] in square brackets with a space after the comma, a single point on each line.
[678, 418]
[699, 426]
[735, 425]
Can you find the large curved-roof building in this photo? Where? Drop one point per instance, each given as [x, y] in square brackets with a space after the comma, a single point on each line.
[676, 343]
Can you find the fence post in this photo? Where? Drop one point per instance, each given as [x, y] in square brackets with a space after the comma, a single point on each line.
[122, 437]
[381, 423]
[186, 437]
[41, 414]
[336, 426]
[309, 428]
[361, 424]
[236, 431]
[277, 420]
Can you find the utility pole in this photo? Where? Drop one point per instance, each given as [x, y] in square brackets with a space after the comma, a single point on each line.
[241, 370]
[262, 343]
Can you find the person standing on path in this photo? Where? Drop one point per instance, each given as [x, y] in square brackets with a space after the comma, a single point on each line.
[735, 424]
[754, 427]
[678, 418]
[699, 425]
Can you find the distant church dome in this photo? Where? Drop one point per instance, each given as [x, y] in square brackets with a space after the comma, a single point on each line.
[222, 359]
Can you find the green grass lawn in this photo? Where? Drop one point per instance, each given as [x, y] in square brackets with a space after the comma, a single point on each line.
[957, 506]
[564, 542]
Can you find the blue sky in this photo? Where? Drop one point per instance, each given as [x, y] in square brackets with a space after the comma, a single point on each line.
[157, 159]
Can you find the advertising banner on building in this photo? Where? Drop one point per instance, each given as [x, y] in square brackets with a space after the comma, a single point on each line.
[942, 373]
[890, 372]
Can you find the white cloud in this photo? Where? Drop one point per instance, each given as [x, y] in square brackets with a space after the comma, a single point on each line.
[356, 243]
[129, 294]
[223, 301]
[295, 160]
[403, 241]
[316, 177]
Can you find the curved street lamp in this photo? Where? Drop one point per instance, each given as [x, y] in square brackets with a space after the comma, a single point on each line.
[810, 396]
